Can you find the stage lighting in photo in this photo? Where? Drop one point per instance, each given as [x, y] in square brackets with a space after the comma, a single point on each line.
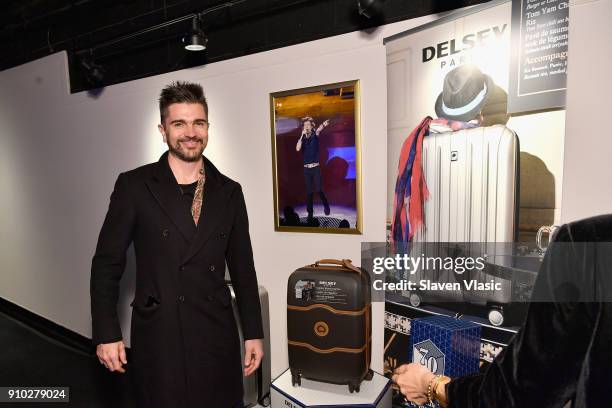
[347, 154]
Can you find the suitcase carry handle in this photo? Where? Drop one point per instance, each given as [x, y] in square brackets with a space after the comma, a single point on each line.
[332, 261]
[347, 263]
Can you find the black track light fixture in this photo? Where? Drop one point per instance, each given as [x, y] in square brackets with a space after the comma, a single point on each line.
[370, 8]
[196, 39]
[94, 72]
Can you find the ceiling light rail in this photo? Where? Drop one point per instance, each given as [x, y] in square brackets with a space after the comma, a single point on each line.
[195, 17]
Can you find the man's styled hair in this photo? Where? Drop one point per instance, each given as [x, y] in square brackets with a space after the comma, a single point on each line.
[308, 119]
[181, 92]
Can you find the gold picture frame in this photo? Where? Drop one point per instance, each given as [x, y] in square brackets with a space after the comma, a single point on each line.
[316, 159]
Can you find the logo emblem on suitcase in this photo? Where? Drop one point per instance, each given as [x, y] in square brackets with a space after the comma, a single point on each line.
[321, 329]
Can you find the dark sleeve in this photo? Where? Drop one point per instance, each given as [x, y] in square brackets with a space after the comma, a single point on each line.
[542, 364]
[239, 257]
[108, 264]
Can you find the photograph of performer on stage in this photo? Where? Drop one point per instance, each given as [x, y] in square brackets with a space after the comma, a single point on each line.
[316, 166]
[308, 144]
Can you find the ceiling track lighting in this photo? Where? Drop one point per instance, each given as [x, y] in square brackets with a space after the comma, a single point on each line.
[94, 72]
[196, 39]
[370, 8]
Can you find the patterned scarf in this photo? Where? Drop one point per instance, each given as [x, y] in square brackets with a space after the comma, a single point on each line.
[196, 204]
[410, 188]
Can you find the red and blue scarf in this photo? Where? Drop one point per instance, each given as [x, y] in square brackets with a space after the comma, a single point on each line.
[410, 187]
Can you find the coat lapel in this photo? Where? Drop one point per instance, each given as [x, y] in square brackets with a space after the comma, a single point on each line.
[214, 204]
[164, 188]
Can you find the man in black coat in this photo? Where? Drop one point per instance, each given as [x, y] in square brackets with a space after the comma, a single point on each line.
[186, 220]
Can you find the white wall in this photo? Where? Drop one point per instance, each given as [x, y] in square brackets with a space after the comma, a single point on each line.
[587, 186]
[60, 155]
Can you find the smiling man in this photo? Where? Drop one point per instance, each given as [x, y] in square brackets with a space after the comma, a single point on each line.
[186, 220]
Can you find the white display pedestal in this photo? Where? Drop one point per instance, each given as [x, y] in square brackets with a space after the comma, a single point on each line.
[373, 394]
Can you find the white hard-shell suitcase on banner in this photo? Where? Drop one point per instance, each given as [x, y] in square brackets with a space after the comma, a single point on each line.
[472, 178]
[257, 385]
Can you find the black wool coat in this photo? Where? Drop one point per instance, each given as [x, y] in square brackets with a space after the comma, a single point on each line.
[185, 349]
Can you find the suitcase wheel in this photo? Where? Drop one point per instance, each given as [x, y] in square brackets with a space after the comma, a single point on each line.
[415, 299]
[264, 401]
[353, 386]
[369, 375]
[496, 316]
[296, 379]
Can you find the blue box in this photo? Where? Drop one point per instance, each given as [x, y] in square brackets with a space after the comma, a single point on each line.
[445, 345]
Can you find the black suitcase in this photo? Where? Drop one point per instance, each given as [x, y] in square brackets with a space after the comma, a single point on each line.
[329, 323]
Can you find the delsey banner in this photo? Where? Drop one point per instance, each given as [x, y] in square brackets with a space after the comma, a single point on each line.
[459, 49]
[421, 61]
[418, 62]
[456, 70]
[473, 192]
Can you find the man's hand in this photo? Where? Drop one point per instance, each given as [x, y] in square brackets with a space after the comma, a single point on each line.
[413, 380]
[253, 353]
[322, 126]
[112, 355]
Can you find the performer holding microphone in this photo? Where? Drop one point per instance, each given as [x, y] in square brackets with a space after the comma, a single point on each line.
[308, 143]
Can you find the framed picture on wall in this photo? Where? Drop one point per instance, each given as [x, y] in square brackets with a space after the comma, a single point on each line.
[316, 159]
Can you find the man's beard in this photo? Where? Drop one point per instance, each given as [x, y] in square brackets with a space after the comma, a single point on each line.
[192, 155]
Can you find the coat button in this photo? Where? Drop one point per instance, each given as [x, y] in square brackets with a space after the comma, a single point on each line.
[210, 298]
[223, 235]
[181, 298]
[212, 268]
[165, 232]
[182, 267]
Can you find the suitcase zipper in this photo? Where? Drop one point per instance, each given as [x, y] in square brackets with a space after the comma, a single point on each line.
[331, 350]
[331, 309]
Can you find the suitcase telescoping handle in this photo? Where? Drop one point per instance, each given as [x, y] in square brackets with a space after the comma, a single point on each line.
[346, 263]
